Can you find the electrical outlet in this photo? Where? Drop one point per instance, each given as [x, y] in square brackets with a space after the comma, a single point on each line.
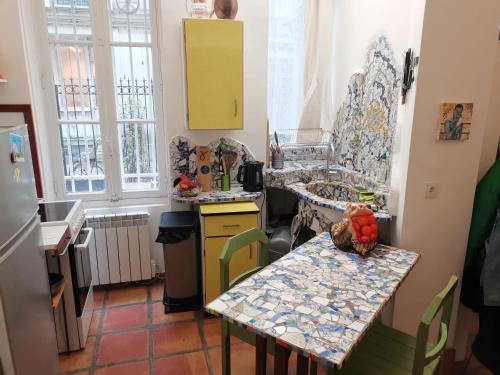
[431, 190]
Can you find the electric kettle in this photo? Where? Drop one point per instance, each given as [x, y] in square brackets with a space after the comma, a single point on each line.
[250, 175]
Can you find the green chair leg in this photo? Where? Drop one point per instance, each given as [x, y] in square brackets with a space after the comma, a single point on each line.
[314, 368]
[226, 348]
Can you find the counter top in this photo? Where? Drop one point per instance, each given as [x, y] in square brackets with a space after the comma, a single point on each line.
[55, 238]
[236, 194]
[300, 189]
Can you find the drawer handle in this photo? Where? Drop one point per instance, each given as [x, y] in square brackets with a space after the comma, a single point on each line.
[231, 225]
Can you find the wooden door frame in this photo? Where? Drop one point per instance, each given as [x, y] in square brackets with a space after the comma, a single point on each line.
[25, 109]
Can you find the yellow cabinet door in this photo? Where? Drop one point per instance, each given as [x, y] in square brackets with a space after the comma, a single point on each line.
[214, 73]
[241, 261]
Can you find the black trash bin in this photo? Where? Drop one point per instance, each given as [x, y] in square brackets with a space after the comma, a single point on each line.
[179, 234]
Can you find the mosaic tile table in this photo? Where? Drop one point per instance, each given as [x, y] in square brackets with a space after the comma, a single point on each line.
[317, 300]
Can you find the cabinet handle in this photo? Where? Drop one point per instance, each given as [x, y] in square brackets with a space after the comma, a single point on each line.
[251, 254]
[231, 225]
[235, 107]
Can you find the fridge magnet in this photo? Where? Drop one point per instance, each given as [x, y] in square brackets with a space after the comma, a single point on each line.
[455, 122]
[16, 148]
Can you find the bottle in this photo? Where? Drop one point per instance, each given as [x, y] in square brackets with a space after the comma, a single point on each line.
[200, 8]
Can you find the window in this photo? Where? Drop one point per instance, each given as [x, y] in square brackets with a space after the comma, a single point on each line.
[285, 63]
[103, 64]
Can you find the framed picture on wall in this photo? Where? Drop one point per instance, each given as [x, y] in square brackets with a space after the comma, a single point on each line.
[455, 121]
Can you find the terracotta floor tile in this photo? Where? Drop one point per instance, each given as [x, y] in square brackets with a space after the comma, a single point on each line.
[185, 364]
[122, 318]
[128, 295]
[94, 325]
[123, 347]
[141, 368]
[212, 331]
[176, 338]
[81, 359]
[474, 367]
[243, 361]
[159, 316]
[81, 373]
[157, 291]
[99, 298]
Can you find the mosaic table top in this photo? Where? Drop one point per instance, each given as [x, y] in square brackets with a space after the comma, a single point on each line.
[317, 300]
[236, 194]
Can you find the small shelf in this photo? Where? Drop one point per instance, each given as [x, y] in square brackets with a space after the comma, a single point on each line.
[56, 298]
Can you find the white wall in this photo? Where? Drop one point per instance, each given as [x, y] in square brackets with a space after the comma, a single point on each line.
[254, 14]
[457, 61]
[12, 63]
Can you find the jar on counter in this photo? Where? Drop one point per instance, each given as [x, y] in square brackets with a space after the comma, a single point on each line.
[200, 8]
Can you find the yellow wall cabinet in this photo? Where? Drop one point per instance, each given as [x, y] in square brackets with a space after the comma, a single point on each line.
[220, 222]
[214, 73]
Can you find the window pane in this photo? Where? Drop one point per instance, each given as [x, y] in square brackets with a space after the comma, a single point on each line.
[68, 19]
[134, 83]
[285, 65]
[82, 158]
[130, 21]
[74, 82]
[139, 167]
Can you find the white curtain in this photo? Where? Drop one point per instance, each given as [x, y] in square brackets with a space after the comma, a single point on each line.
[285, 63]
[317, 106]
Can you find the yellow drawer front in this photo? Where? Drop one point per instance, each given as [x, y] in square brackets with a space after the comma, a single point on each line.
[241, 261]
[229, 225]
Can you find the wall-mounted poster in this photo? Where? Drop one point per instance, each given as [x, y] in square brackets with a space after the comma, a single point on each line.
[455, 121]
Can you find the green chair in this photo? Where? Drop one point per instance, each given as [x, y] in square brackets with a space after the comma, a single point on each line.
[232, 245]
[385, 350]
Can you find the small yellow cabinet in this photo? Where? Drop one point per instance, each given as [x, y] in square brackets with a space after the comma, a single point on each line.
[220, 222]
[214, 73]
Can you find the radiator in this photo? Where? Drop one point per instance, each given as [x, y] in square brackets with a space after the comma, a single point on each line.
[120, 251]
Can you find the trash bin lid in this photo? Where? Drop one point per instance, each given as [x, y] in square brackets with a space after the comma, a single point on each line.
[178, 220]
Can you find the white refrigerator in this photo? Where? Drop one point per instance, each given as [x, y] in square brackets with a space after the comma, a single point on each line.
[27, 334]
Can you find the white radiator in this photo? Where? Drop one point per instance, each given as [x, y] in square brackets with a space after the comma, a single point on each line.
[120, 251]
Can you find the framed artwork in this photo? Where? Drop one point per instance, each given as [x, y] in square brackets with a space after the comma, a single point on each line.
[455, 121]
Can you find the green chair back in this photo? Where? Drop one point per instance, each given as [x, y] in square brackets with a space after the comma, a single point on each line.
[236, 243]
[442, 302]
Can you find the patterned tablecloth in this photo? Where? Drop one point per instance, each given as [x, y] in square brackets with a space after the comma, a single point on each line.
[317, 300]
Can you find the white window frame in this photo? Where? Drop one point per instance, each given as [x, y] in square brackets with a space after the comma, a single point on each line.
[106, 99]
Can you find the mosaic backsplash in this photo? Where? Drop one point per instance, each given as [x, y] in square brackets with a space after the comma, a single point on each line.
[365, 125]
[305, 153]
[183, 156]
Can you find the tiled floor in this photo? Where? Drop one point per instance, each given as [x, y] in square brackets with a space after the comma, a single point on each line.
[131, 335]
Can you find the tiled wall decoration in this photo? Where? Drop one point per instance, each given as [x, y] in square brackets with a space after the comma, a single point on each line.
[183, 156]
[305, 153]
[365, 125]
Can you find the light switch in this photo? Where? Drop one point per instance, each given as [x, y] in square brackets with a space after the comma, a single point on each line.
[431, 190]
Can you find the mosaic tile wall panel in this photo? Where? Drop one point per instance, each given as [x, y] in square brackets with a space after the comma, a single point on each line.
[305, 153]
[183, 156]
[365, 125]
[317, 299]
